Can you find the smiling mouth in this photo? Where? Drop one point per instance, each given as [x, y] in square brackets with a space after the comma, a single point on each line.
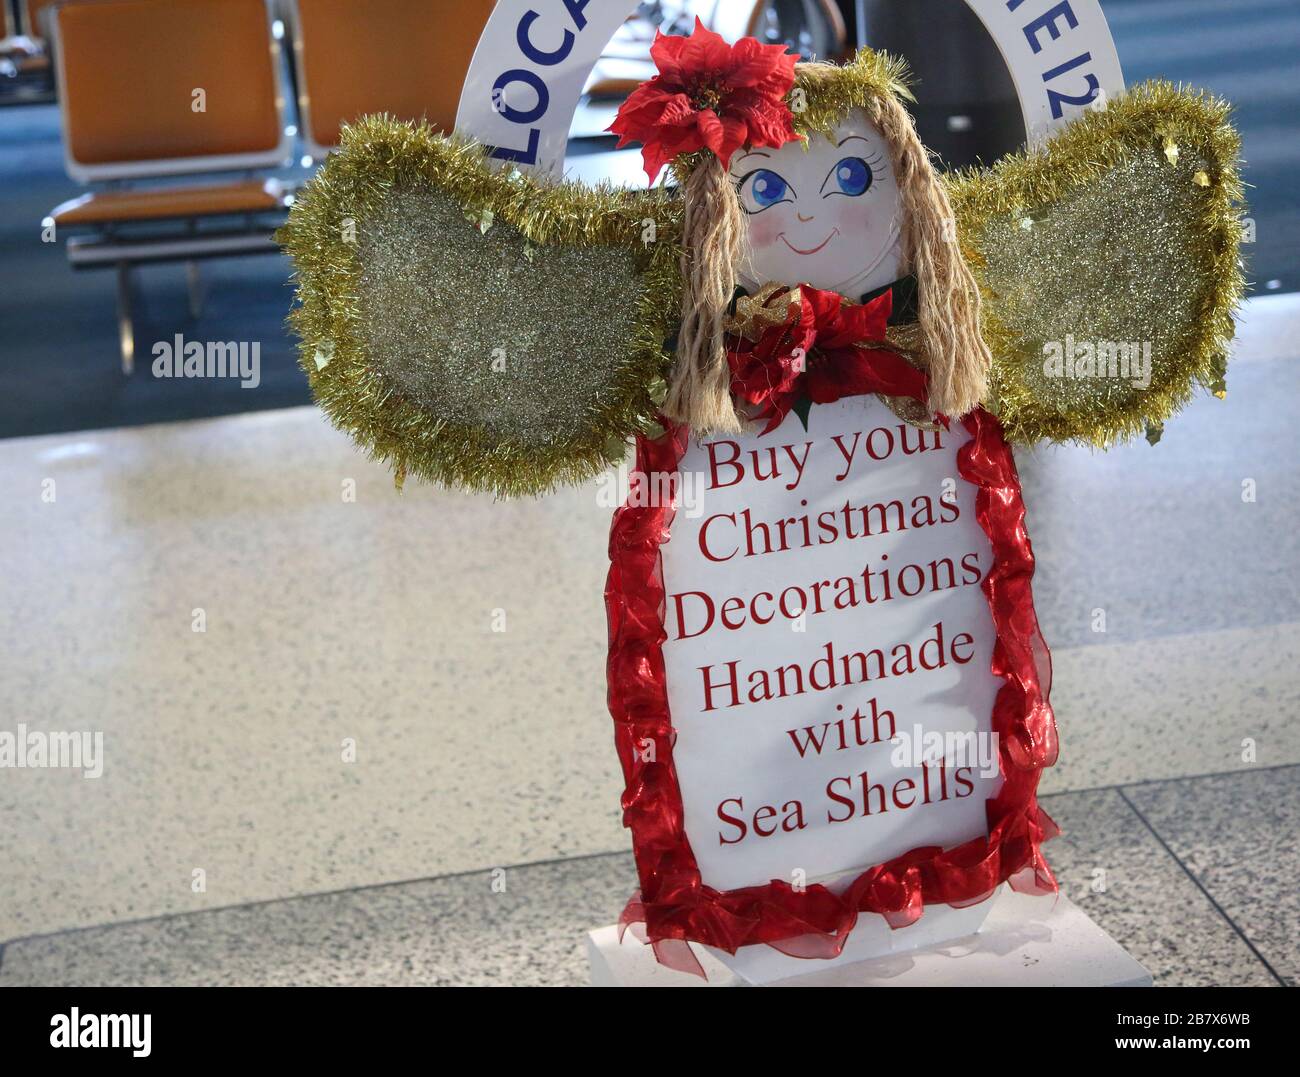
[813, 250]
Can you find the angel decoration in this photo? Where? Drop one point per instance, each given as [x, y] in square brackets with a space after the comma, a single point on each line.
[826, 348]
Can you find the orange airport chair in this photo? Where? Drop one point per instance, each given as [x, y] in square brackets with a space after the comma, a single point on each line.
[404, 57]
[25, 71]
[152, 88]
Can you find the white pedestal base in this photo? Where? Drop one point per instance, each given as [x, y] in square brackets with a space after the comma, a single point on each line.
[1025, 942]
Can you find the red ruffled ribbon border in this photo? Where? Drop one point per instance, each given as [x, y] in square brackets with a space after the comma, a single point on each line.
[673, 902]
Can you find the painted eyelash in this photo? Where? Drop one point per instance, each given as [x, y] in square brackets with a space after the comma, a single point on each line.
[876, 164]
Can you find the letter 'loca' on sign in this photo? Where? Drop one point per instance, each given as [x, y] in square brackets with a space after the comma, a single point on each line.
[506, 85]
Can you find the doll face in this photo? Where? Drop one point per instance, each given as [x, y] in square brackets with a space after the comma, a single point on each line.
[827, 216]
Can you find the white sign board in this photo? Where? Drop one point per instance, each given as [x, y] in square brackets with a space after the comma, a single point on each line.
[823, 614]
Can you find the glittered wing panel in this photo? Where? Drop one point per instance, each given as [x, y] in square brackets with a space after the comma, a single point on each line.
[1109, 266]
[476, 326]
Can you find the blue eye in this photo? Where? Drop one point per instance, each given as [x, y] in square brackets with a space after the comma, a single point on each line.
[852, 176]
[765, 188]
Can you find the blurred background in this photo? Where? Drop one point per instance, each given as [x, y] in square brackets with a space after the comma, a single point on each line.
[336, 611]
[150, 239]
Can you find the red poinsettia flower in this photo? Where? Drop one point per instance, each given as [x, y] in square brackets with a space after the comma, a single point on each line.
[708, 95]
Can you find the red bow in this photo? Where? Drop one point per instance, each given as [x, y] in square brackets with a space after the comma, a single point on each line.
[821, 351]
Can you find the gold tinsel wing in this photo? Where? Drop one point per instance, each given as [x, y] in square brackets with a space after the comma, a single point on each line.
[475, 326]
[1109, 266]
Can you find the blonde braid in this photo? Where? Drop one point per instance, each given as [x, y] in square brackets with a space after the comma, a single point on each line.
[713, 237]
[948, 304]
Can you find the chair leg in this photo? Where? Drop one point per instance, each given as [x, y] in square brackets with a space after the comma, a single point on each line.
[195, 285]
[125, 324]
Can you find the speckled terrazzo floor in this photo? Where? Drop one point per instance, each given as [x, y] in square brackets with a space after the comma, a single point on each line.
[333, 622]
[1188, 920]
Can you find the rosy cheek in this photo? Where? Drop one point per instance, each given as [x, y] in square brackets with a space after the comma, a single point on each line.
[853, 216]
[765, 227]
